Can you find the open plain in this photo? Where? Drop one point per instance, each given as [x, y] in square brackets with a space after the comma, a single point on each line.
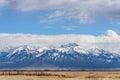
[59, 75]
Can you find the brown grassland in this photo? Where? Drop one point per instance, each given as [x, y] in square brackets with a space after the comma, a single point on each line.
[59, 75]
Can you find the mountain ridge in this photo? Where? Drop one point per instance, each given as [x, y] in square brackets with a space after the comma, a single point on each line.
[68, 56]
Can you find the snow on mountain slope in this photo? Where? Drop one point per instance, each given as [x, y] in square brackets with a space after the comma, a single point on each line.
[66, 56]
[70, 48]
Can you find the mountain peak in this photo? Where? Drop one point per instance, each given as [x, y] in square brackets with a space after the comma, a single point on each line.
[69, 45]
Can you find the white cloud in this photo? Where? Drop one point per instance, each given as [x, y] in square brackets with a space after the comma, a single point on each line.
[2, 1]
[109, 41]
[52, 17]
[56, 14]
[84, 10]
[6, 2]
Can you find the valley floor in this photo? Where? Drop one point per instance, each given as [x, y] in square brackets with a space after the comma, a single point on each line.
[59, 75]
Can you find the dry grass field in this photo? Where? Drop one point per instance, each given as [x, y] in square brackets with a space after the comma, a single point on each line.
[59, 75]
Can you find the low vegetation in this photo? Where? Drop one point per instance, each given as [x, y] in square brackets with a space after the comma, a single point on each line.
[60, 75]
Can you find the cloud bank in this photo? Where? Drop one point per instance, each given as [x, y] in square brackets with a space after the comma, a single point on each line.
[110, 40]
[86, 11]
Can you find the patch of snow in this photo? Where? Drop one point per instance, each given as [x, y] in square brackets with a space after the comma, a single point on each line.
[111, 56]
[95, 51]
[38, 55]
[80, 50]
[42, 49]
[109, 60]
[55, 54]
[63, 49]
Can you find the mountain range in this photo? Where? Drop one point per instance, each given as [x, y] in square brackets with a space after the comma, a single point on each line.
[69, 56]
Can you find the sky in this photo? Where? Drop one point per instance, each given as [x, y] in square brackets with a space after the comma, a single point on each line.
[46, 23]
[59, 17]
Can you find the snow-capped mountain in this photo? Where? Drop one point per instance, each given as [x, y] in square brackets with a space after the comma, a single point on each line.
[69, 56]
